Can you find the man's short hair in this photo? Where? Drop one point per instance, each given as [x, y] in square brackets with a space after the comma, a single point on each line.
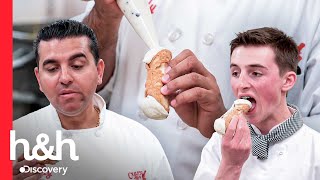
[284, 47]
[66, 29]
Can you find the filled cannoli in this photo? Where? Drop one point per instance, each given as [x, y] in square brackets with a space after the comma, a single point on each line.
[155, 105]
[239, 106]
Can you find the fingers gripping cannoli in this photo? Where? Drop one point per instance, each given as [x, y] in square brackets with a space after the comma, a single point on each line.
[239, 106]
[155, 105]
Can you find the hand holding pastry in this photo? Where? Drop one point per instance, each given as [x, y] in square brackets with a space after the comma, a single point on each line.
[239, 106]
[193, 91]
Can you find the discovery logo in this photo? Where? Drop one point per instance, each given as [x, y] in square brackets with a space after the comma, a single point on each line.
[43, 170]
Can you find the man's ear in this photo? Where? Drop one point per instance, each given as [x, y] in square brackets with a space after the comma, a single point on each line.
[100, 69]
[289, 79]
[36, 72]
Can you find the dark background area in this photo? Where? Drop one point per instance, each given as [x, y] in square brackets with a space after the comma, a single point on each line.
[26, 94]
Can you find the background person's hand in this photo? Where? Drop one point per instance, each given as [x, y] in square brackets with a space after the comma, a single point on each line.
[104, 19]
[194, 92]
[107, 9]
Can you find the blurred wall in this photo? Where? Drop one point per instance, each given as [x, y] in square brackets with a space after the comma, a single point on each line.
[42, 11]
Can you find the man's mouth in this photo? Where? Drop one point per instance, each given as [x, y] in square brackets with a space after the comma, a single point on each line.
[251, 99]
[66, 92]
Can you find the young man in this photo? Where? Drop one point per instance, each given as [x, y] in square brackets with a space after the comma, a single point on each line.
[263, 69]
[109, 145]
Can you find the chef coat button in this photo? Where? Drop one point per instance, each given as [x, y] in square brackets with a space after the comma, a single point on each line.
[208, 39]
[281, 150]
[99, 133]
[67, 134]
[181, 125]
[175, 35]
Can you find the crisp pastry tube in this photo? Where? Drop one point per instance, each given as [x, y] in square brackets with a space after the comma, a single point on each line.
[239, 106]
[155, 105]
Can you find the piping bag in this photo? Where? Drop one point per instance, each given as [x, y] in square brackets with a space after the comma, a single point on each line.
[137, 12]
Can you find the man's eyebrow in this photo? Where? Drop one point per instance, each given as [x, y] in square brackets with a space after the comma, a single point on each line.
[257, 66]
[49, 61]
[250, 65]
[78, 55]
[233, 65]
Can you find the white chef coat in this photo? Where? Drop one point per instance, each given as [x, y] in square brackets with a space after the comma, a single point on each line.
[206, 27]
[295, 158]
[119, 148]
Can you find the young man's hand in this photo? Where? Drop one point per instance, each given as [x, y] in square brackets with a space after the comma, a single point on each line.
[235, 149]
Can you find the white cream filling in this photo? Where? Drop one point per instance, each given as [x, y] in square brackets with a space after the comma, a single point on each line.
[153, 109]
[242, 101]
[220, 126]
[151, 53]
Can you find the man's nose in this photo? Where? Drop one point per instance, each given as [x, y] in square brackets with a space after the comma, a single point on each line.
[65, 77]
[243, 82]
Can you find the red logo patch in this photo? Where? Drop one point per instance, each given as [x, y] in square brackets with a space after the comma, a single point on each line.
[300, 47]
[47, 175]
[138, 175]
[152, 6]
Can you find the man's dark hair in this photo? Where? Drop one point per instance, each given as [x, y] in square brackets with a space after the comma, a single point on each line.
[66, 29]
[284, 47]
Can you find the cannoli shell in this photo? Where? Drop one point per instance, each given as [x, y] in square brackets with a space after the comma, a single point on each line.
[155, 71]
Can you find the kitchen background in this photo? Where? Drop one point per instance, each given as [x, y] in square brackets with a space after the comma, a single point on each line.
[28, 17]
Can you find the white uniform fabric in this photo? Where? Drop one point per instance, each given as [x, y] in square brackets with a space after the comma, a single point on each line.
[206, 28]
[296, 157]
[119, 148]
